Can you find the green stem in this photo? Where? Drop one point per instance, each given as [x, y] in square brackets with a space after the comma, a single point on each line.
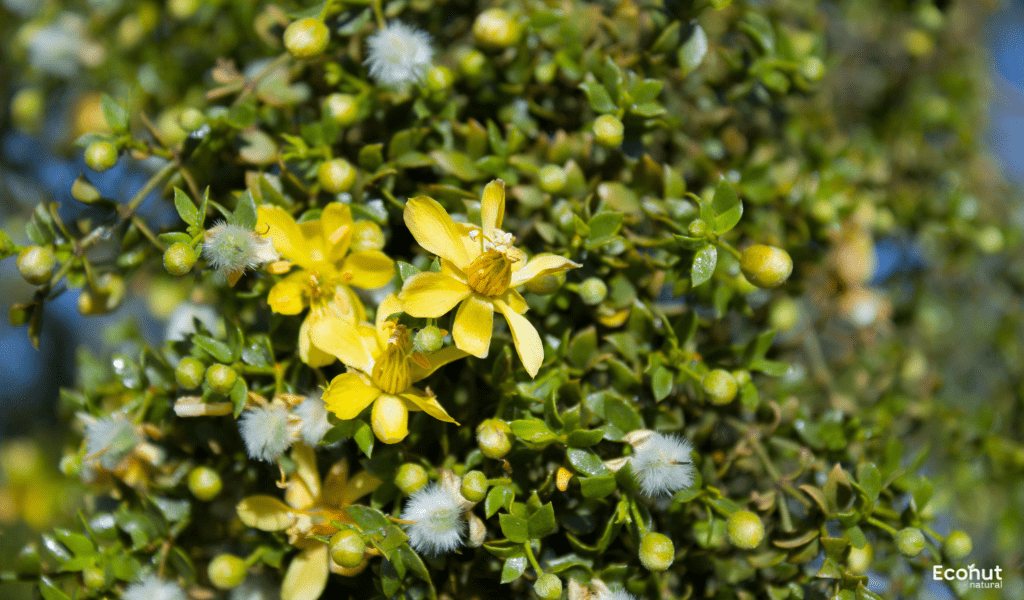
[378, 13]
[883, 526]
[724, 245]
[532, 558]
[637, 518]
[691, 373]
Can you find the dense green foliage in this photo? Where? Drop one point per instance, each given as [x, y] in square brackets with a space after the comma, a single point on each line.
[719, 172]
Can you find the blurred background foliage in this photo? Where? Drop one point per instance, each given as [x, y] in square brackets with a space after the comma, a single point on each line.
[855, 133]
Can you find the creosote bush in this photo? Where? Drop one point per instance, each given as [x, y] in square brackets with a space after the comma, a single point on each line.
[522, 300]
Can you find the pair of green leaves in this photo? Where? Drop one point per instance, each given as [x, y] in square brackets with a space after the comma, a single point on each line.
[720, 214]
[617, 90]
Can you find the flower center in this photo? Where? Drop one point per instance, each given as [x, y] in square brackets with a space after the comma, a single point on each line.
[392, 372]
[490, 273]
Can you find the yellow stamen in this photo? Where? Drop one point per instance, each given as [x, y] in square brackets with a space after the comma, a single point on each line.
[392, 372]
[490, 273]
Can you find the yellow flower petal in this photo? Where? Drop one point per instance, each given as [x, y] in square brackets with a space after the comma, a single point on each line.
[474, 323]
[307, 574]
[290, 295]
[430, 295]
[275, 223]
[368, 269]
[474, 243]
[314, 241]
[427, 404]
[388, 306]
[335, 482]
[437, 360]
[342, 339]
[304, 485]
[361, 484]
[526, 338]
[336, 228]
[309, 352]
[515, 300]
[348, 395]
[265, 512]
[434, 229]
[492, 206]
[542, 264]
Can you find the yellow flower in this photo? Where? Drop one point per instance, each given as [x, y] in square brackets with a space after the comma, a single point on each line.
[480, 269]
[327, 271]
[383, 371]
[310, 509]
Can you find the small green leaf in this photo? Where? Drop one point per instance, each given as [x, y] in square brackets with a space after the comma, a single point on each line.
[215, 348]
[704, 262]
[870, 480]
[186, 209]
[598, 97]
[50, 591]
[602, 229]
[759, 28]
[500, 496]
[457, 164]
[115, 114]
[597, 486]
[542, 522]
[7, 247]
[646, 90]
[514, 567]
[245, 211]
[370, 520]
[728, 207]
[534, 431]
[693, 50]
[242, 115]
[586, 461]
[661, 383]
[239, 394]
[514, 528]
[585, 438]
[364, 438]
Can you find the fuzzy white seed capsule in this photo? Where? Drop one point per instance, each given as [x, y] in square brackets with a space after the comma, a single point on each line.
[231, 249]
[436, 512]
[398, 55]
[662, 464]
[112, 438]
[313, 414]
[265, 432]
[152, 587]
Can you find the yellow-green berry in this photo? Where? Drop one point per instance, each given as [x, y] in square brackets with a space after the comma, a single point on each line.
[179, 258]
[745, 529]
[496, 29]
[552, 179]
[719, 386]
[226, 571]
[366, 235]
[766, 266]
[548, 587]
[593, 291]
[657, 552]
[306, 38]
[440, 79]
[204, 483]
[100, 156]
[343, 109]
[347, 548]
[957, 545]
[221, 378]
[389, 419]
[27, 109]
[910, 541]
[494, 437]
[36, 264]
[784, 314]
[608, 131]
[183, 9]
[698, 228]
[189, 373]
[472, 63]
[545, 284]
[191, 119]
[859, 559]
[103, 297]
[410, 478]
[336, 176]
[428, 339]
[94, 578]
[474, 486]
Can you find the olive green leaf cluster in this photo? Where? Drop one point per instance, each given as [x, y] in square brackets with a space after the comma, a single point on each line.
[732, 401]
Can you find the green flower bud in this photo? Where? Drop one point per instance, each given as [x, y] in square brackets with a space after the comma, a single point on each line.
[472, 63]
[657, 552]
[343, 109]
[719, 386]
[189, 373]
[784, 314]
[698, 228]
[102, 298]
[204, 483]
[428, 339]
[306, 38]
[593, 291]
[742, 377]
[221, 378]
[440, 79]
[496, 29]
[191, 119]
[812, 68]
[474, 486]
[366, 235]
[608, 131]
[347, 548]
[859, 559]
[100, 156]
[494, 437]
[336, 176]
[411, 478]
[745, 529]
[548, 587]
[545, 72]
[226, 571]
[27, 109]
[910, 541]
[36, 264]
[94, 578]
[957, 545]
[552, 179]
[766, 266]
[179, 258]
[548, 283]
